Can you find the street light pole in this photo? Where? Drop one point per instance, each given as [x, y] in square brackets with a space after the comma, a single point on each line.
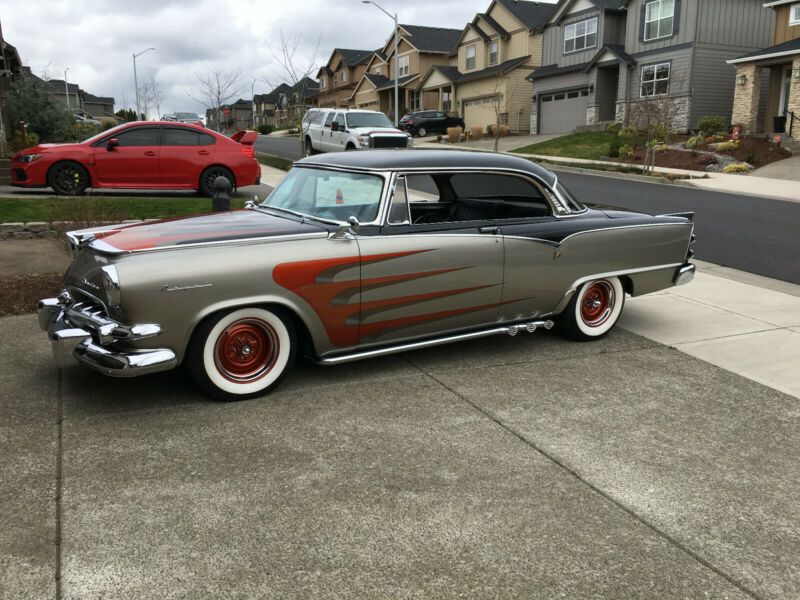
[136, 83]
[66, 86]
[396, 59]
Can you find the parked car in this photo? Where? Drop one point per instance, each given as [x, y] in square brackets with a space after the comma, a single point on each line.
[169, 117]
[87, 120]
[336, 129]
[426, 122]
[357, 255]
[189, 117]
[140, 155]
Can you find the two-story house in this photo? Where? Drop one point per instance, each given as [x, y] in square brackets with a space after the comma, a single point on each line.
[604, 59]
[340, 75]
[418, 49]
[771, 76]
[484, 81]
[285, 104]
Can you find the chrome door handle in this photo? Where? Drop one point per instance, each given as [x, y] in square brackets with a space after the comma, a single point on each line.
[489, 229]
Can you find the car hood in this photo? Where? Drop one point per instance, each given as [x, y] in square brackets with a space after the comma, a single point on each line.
[39, 148]
[201, 229]
[381, 130]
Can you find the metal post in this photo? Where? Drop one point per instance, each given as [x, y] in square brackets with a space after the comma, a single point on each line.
[396, 59]
[66, 86]
[136, 83]
[253, 99]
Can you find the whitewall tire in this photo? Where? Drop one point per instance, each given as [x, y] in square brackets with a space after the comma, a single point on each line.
[594, 309]
[243, 353]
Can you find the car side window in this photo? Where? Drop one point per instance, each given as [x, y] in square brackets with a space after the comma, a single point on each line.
[398, 209]
[339, 120]
[440, 115]
[329, 120]
[179, 137]
[139, 136]
[498, 196]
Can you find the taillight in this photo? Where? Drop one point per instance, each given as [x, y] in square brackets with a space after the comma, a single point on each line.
[410, 122]
[248, 151]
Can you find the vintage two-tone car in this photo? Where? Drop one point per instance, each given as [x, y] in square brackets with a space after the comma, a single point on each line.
[357, 255]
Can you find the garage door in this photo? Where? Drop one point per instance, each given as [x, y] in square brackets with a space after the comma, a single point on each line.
[480, 112]
[563, 112]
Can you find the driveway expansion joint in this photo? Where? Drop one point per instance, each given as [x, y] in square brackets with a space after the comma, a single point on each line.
[59, 480]
[565, 467]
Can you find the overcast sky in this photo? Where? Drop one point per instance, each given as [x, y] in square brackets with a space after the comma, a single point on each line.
[95, 38]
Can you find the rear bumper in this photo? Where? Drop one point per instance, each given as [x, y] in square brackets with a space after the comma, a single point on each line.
[80, 331]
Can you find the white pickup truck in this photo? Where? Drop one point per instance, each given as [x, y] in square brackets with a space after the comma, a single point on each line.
[336, 129]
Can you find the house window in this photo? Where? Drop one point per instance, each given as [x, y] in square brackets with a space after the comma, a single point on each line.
[580, 36]
[659, 17]
[655, 80]
[415, 97]
[377, 70]
[447, 101]
[794, 14]
[404, 66]
[344, 76]
[471, 57]
[493, 51]
[323, 82]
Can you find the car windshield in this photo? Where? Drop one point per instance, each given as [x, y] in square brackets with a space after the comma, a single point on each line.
[368, 120]
[332, 195]
[187, 116]
[97, 136]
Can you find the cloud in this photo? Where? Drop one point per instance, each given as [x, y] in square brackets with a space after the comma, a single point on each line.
[96, 39]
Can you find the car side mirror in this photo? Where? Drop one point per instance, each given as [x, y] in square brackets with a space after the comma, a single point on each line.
[111, 144]
[334, 126]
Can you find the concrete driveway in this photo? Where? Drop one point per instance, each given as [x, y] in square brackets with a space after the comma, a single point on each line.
[527, 467]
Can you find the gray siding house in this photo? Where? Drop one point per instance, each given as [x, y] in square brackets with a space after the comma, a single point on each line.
[603, 57]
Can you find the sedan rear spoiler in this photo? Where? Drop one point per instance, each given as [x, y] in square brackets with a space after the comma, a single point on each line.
[685, 215]
[245, 136]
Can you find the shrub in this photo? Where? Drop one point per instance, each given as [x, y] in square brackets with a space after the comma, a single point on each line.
[502, 131]
[695, 141]
[613, 128]
[628, 133]
[477, 132]
[660, 148]
[712, 125]
[714, 139]
[738, 167]
[265, 129]
[77, 132]
[454, 134]
[17, 143]
[725, 146]
[626, 151]
[106, 124]
[614, 146]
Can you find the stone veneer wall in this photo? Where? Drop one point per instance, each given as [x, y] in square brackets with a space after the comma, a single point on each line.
[680, 121]
[534, 118]
[592, 114]
[745, 97]
[794, 97]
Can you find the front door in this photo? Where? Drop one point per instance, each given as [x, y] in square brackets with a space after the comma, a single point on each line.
[133, 163]
[786, 84]
[428, 279]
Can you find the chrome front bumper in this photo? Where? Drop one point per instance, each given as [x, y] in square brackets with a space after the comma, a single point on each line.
[84, 332]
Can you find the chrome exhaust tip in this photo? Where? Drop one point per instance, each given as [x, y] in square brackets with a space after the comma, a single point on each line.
[531, 327]
[513, 330]
[548, 325]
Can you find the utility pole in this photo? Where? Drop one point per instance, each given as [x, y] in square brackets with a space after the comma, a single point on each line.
[66, 86]
[136, 83]
[396, 59]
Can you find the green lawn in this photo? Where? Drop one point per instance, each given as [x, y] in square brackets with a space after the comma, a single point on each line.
[593, 145]
[88, 208]
[275, 161]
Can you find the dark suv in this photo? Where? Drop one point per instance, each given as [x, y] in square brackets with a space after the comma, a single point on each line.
[429, 121]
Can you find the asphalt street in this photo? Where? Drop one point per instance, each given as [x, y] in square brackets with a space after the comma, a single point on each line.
[526, 467]
[749, 233]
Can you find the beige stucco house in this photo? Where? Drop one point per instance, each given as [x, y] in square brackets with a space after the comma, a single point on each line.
[339, 77]
[484, 80]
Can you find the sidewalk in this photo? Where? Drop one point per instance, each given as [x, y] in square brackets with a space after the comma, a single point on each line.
[751, 185]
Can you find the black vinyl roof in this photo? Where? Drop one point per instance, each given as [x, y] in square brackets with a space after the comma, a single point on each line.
[432, 39]
[400, 160]
[789, 46]
[535, 15]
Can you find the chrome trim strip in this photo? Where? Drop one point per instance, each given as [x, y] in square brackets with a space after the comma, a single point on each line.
[124, 364]
[685, 275]
[511, 330]
[106, 248]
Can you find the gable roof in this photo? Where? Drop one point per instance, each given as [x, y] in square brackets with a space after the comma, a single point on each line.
[453, 74]
[554, 69]
[87, 97]
[56, 86]
[351, 57]
[534, 15]
[563, 5]
[437, 40]
[789, 48]
[616, 50]
[492, 23]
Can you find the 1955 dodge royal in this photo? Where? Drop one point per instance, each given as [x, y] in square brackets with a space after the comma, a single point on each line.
[357, 255]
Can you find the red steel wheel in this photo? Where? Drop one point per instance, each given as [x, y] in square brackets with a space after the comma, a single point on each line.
[597, 303]
[246, 350]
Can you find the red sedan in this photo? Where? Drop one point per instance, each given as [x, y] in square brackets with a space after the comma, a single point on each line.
[143, 155]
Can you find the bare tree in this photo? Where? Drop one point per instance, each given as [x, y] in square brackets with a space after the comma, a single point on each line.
[154, 94]
[504, 89]
[296, 71]
[214, 86]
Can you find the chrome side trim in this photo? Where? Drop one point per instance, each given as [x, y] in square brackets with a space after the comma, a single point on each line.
[107, 248]
[511, 330]
[577, 283]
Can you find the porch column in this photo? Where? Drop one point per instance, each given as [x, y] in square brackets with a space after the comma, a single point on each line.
[745, 99]
[794, 98]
